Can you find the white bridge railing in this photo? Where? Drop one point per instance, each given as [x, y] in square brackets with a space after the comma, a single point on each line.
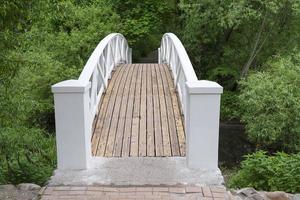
[200, 103]
[76, 101]
[110, 52]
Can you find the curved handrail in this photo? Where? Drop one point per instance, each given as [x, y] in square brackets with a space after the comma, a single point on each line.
[170, 41]
[110, 52]
[173, 53]
[94, 58]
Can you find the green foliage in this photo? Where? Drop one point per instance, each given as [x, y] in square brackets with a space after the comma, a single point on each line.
[55, 44]
[225, 39]
[27, 155]
[13, 22]
[13, 14]
[69, 32]
[229, 106]
[269, 173]
[225, 76]
[62, 36]
[228, 34]
[144, 22]
[270, 106]
[44, 42]
[34, 100]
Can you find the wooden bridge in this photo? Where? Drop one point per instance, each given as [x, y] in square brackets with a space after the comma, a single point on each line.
[120, 109]
[139, 114]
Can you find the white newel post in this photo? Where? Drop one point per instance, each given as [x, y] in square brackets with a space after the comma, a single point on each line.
[202, 124]
[73, 137]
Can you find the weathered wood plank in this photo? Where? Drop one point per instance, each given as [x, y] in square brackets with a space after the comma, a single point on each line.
[150, 128]
[129, 112]
[102, 112]
[156, 115]
[143, 114]
[134, 143]
[163, 114]
[121, 123]
[177, 113]
[171, 118]
[108, 114]
[139, 114]
[115, 116]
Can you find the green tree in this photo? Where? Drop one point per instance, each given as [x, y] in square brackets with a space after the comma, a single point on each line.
[53, 44]
[226, 38]
[13, 22]
[144, 22]
[270, 106]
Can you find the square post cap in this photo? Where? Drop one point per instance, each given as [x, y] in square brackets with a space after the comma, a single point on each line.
[71, 86]
[203, 87]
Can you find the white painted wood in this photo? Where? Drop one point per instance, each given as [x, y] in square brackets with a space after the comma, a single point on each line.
[112, 48]
[73, 133]
[173, 53]
[202, 124]
[76, 101]
[200, 104]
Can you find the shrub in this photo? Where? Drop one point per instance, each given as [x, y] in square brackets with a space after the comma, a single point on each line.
[270, 173]
[53, 45]
[229, 106]
[26, 154]
[270, 106]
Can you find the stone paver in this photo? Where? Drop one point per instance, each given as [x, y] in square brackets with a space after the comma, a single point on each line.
[134, 193]
[24, 191]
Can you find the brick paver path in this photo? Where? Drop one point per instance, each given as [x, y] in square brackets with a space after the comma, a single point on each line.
[134, 193]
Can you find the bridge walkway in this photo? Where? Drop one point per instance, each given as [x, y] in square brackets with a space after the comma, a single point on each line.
[139, 114]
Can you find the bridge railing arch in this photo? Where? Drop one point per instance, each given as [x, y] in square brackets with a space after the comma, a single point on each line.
[110, 52]
[173, 53]
[200, 104]
[76, 101]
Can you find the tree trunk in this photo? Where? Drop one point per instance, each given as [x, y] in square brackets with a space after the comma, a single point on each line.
[259, 42]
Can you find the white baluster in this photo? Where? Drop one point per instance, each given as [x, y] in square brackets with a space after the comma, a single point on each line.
[100, 66]
[117, 56]
[112, 55]
[122, 49]
[94, 88]
[165, 50]
[105, 73]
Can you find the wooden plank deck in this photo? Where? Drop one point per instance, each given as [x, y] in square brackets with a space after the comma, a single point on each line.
[139, 114]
